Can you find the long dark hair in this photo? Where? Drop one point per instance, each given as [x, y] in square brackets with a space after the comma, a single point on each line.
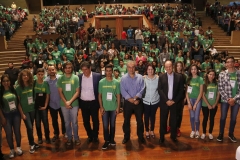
[11, 88]
[190, 74]
[207, 82]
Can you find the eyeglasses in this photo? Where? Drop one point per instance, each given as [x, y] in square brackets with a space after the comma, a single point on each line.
[6, 81]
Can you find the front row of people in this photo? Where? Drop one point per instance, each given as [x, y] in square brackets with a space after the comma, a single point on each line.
[142, 95]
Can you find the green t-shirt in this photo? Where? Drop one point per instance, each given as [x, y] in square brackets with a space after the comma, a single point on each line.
[195, 84]
[33, 56]
[26, 98]
[69, 53]
[56, 56]
[9, 98]
[122, 70]
[51, 62]
[69, 86]
[122, 54]
[233, 79]
[205, 65]
[177, 59]
[42, 88]
[92, 46]
[218, 67]
[211, 94]
[109, 91]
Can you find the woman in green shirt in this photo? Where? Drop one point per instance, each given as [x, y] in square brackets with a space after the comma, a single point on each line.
[194, 98]
[26, 104]
[50, 61]
[10, 115]
[210, 102]
[59, 69]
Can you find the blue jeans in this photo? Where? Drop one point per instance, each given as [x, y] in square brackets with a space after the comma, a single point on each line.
[13, 125]
[42, 116]
[109, 117]
[194, 115]
[233, 117]
[30, 116]
[71, 121]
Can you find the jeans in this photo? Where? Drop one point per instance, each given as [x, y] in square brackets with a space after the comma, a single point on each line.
[109, 117]
[150, 114]
[233, 117]
[54, 115]
[30, 116]
[194, 115]
[211, 114]
[71, 121]
[13, 125]
[42, 116]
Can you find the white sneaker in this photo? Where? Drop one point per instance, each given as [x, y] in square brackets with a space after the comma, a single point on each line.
[11, 154]
[203, 136]
[192, 134]
[197, 134]
[32, 149]
[210, 136]
[19, 151]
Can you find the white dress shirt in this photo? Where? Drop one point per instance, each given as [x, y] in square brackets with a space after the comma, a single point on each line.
[87, 90]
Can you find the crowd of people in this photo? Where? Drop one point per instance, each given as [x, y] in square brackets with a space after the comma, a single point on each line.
[94, 71]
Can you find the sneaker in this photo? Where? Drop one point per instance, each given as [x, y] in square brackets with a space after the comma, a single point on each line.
[192, 134]
[220, 138]
[77, 142]
[65, 135]
[32, 149]
[232, 138]
[210, 136]
[178, 133]
[112, 143]
[197, 134]
[55, 138]
[11, 154]
[105, 146]
[69, 142]
[40, 141]
[36, 145]
[203, 136]
[19, 151]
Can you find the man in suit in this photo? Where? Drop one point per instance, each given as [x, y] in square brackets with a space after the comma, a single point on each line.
[170, 89]
[89, 100]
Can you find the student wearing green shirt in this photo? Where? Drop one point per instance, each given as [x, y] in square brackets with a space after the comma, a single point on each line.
[50, 61]
[116, 74]
[109, 101]
[179, 58]
[26, 104]
[218, 66]
[210, 102]
[56, 54]
[41, 90]
[69, 52]
[122, 68]
[68, 88]
[10, 115]
[194, 99]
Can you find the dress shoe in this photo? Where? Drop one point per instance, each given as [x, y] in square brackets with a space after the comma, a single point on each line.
[89, 140]
[125, 140]
[142, 140]
[174, 139]
[95, 140]
[161, 140]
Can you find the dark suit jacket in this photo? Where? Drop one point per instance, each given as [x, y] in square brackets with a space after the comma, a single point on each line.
[96, 78]
[178, 88]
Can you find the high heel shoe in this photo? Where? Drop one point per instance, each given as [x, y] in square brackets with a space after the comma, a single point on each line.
[152, 135]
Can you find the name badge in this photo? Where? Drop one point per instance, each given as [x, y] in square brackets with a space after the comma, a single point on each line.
[12, 106]
[232, 82]
[68, 51]
[92, 61]
[217, 70]
[40, 62]
[30, 100]
[172, 41]
[68, 87]
[122, 73]
[92, 47]
[153, 39]
[185, 46]
[109, 96]
[103, 72]
[210, 95]
[188, 61]
[164, 59]
[40, 94]
[206, 45]
[189, 89]
[56, 56]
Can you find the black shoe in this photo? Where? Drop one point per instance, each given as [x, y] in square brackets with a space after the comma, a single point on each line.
[125, 140]
[48, 141]
[141, 140]
[1, 155]
[174, 139]
[161, 140]
[40, 141]
[95, 140]
[105, 145]
[112, 143]
[55, 138]
[232, 138]
[90, 140]
[36, 145]
[220, 137]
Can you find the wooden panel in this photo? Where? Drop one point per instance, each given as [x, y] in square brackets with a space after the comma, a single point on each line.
[47, 37]
[235, 38]
[111, 22]
[134, 22]
[3, 43]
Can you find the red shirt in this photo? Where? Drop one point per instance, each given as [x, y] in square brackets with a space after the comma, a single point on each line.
[124, 35]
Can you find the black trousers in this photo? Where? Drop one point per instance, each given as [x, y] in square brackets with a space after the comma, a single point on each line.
[90, 109]
[180, 113]
[164, 111]
[208, 113]
[54, 114]
[128, 109]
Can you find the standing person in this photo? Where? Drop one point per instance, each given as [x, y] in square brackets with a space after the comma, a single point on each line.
[12, 73]
[68, 88]
[41, 90]
[54, 103]
[179, 68]
[11, 117]
[210, 102]
[132, 87]
[150, 100]
[26, 108]
[228, 85]
[88, 82]
[194, 98]
[170, 89]
[109, 101]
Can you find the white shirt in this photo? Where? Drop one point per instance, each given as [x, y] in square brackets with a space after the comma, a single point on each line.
[87, 90]
[138, 34]
[213, 51]
[170, 86]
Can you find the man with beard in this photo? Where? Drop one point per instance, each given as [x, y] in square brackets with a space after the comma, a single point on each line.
[12, 73]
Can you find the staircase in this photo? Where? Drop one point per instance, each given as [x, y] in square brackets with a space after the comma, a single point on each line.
[221, 40]
[16, 50]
